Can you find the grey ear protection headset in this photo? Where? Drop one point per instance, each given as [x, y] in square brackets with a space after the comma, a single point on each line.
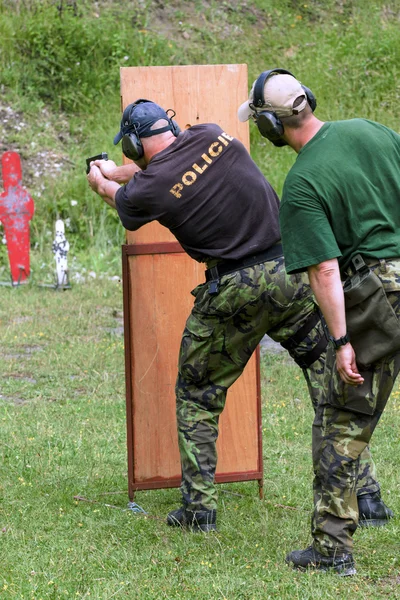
[136, 123]
[269, 124]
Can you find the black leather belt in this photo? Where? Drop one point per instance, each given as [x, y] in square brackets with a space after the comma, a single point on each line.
[230, 266]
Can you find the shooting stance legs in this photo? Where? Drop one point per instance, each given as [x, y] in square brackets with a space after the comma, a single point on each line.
[220, 335]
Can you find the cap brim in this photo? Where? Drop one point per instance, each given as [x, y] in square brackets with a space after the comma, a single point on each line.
[118, 138]
[244, 112]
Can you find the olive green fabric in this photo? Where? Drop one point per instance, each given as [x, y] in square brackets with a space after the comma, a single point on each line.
[372, 324]
[340, 196]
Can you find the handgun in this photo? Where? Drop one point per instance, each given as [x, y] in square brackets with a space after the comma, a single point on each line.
[102, 156]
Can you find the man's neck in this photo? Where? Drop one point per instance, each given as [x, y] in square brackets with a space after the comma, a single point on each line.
[297, 138]
[158, 143]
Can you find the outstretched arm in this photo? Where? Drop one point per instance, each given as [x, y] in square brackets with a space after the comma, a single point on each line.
[327, 287]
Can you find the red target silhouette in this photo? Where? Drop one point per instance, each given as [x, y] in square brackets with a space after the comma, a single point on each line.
[16, 210]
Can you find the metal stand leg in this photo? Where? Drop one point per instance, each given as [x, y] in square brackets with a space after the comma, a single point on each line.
[260, 489]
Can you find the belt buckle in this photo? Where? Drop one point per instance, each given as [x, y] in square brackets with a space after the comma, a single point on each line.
[213, 287]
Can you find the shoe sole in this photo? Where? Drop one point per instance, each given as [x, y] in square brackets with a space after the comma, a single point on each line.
[342, 570]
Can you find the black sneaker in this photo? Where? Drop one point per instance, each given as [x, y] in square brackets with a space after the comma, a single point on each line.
[342, 564]
[199, 520]
[373, 511]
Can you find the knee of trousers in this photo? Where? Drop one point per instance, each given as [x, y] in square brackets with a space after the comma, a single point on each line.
[334, 470]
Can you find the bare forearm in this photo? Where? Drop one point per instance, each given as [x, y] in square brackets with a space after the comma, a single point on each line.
[121, 174]
[327, 287]
[109, 201]
[124, 173]
[108, 190]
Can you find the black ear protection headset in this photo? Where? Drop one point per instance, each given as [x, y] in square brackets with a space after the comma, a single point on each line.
[269, 124]
[132, 130]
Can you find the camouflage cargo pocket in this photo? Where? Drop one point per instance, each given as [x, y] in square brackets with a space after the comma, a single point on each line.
[359, 399]
[195, 350]
[372, 323]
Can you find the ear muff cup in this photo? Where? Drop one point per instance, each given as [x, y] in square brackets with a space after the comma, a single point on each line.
[311, 99]
[269, 125]
[132, 147]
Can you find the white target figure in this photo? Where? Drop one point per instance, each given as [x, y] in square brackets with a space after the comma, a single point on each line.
[60, 250]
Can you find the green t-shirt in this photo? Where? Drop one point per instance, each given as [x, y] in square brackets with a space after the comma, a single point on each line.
[342, 196]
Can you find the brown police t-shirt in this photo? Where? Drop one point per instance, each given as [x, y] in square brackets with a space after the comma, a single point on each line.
[206, 189]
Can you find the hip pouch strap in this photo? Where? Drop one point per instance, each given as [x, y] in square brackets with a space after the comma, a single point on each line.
[305, 357]
[372, 324]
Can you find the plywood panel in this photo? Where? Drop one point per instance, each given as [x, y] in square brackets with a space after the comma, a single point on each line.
[158, 277]
[156, 330]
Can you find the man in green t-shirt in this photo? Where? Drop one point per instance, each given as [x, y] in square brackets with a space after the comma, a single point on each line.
[340, 199]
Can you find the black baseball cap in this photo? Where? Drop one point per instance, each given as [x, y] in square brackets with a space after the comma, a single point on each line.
[139, 116]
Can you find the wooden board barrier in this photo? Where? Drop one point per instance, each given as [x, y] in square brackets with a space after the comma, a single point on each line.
[157, 279]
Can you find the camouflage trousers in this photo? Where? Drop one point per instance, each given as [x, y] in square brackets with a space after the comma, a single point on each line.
[342, 429]
[220, 336]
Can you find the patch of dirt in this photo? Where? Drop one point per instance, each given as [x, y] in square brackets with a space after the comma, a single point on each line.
[20, 377]
[13, 356]
[13, 400]
[25, 352]
[390, 13]
[28, 349]
[271, 348]
[117, 331]
[36, 160]
[179, 20]
[20, 319]
[268, 346]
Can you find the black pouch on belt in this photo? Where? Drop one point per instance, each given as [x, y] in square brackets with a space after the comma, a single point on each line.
[372, 324]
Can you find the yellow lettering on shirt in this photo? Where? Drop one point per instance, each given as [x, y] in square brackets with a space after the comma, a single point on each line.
[189, 178]
[199, 169]
[213, 152]
[176, 189]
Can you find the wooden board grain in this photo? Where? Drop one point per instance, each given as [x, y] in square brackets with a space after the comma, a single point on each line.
[158, 277]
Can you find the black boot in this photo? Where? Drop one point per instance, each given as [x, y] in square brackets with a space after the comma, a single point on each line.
[199, 520]
[342, 564]
[373, 511]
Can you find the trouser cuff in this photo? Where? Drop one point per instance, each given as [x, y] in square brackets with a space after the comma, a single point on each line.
[370, 489]
[331, 549]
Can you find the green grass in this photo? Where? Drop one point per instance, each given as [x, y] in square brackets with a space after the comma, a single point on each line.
[62, 404]
[62, 435]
